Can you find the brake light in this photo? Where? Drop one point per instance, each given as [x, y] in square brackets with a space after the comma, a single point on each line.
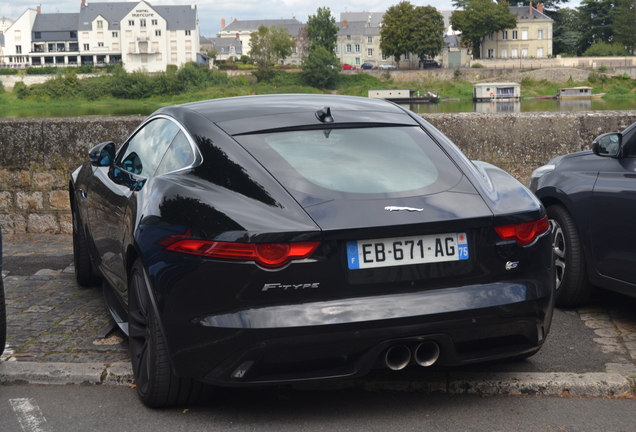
[270, 255]
[524, 233]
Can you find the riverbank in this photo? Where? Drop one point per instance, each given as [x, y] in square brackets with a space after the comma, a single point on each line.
[140, 93]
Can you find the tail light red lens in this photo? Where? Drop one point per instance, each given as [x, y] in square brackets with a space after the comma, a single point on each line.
[270, 255]
[524, 233]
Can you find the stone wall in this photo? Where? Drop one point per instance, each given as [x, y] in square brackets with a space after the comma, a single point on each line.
[36, 159]
[38, 155]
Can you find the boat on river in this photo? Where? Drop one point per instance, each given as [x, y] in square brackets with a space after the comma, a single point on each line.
[401, 96]
[578, 93]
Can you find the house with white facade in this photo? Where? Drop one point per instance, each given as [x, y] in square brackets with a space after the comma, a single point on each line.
[242, 30]
[138, 34]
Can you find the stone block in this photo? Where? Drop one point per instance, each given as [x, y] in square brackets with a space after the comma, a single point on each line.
[42, 224]
[29, 200]
[43, 180]
[59, 200]
[6, 200]
[13, 224]
[66, 223]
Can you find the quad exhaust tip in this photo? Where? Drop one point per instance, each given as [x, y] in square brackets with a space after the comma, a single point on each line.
[399, 356]
[426, 354]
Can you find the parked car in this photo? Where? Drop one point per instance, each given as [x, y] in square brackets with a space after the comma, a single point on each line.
[284, 238]
[387, 66]
[348, 66]
[367, 66]
[3, 308]
[590, 198]
[426, 64]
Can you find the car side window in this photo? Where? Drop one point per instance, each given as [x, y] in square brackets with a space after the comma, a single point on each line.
[179, 155]
[144, 151]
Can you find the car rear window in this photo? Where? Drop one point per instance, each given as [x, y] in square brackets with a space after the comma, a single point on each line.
[382, 161]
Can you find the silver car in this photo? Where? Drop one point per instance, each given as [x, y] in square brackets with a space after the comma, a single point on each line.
[387, 66]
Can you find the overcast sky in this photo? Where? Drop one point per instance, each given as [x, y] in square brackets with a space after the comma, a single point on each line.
[211, 11]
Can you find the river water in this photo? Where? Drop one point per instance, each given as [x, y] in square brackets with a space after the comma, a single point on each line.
[540, 105]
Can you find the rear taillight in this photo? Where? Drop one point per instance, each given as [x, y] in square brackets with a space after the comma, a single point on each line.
[524, 233]
[270, 255]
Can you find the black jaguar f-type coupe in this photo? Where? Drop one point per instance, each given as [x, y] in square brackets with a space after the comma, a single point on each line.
[286, 238]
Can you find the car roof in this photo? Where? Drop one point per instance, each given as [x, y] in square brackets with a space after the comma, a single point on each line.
[247, 114]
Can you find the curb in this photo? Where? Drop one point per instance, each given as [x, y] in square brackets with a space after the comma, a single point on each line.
[595, 384]
[65, 373]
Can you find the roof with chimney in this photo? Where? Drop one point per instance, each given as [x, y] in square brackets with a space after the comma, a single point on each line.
[177, 17]
[374, 18]
[526, 13]
[357, 28]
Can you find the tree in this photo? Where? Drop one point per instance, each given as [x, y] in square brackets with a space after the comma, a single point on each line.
[427, 33]
[409, 29]
[596, 21]
[322, 30]
[267, 46]
[302, 42]
[481, 18]
[624, 24]
[396, 30]
[566, 34]
[321, 68]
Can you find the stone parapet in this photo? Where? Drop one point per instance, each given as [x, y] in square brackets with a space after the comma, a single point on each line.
[37, 156]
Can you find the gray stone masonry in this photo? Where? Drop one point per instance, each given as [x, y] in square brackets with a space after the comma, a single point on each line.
[37, 156]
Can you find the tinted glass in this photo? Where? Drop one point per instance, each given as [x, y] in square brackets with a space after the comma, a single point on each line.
[386, 161]
[144, 151]
[179, 155]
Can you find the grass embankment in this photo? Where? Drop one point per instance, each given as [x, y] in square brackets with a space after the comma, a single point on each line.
[191, 83]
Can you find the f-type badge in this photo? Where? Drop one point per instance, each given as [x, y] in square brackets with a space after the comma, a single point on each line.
[395, 208]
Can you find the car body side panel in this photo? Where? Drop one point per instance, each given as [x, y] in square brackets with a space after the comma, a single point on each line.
[612, 225]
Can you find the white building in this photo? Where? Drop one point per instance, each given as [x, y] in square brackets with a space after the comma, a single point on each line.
[138, 34]
[242, 30]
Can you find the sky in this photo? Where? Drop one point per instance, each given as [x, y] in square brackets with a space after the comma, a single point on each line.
[211, 11]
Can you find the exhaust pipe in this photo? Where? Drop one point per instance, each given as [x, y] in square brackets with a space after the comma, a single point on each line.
[426, 353]
[397, 357]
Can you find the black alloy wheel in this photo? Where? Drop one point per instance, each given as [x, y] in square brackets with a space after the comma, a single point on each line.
[156, 383]
[84, 274]
[572, 287]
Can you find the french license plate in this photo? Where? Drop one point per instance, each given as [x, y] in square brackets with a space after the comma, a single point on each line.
[401, 251]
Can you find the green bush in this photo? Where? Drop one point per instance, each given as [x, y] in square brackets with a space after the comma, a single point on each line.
[602, 49]
[477, 66]
[603, 68]
[8, 71]
[21, 90]
[46, 70]
[244, 59]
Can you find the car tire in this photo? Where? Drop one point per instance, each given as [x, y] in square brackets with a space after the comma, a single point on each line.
[84, 274]
[3, 318]
[156, 383]
[572, 286]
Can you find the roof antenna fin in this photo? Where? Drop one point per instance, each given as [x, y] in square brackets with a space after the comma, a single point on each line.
[324, 115]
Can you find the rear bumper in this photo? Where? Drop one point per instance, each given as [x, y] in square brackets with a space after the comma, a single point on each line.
[345, 338]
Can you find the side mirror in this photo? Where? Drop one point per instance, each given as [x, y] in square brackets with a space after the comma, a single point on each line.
[102, 154]
[607, 145]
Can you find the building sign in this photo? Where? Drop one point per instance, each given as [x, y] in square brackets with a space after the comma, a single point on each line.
[143, 13]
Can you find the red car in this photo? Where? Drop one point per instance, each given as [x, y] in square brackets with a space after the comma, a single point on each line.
[348, 66]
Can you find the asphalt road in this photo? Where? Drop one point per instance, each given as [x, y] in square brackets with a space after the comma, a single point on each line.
[98, 408]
